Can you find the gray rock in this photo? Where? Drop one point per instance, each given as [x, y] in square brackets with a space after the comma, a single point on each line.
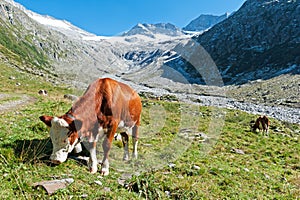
[238, 151]
[71, 97]
[98, 183]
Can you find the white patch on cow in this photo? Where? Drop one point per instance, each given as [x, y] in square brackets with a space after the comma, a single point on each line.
[118, 136]
[59, 137]
[101, 133]
[121, 124]
[78, 148]
[123, 128]
[92, 164]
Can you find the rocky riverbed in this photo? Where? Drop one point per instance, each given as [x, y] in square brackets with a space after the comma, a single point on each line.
[291, 115]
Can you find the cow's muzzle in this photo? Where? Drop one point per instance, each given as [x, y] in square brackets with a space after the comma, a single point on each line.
[56, 162]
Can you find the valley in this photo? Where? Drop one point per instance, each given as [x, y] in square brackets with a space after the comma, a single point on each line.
[201, 86]
[211, 160]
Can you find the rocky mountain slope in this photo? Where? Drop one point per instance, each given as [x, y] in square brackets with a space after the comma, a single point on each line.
[53, 45]
[248, 45]
[76, 55]
[204, 22]
[261, 40]
[16, 43]
[281, 91]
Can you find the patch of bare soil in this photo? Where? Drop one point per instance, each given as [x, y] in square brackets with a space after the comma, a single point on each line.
[11, 104]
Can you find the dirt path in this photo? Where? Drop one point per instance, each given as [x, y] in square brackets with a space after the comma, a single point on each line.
[11, 104]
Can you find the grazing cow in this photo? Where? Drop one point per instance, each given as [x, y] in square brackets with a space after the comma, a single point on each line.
[262, 123]
[106, 107]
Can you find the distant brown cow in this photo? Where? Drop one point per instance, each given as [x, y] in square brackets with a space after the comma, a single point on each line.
[106, 107]
[262, 123]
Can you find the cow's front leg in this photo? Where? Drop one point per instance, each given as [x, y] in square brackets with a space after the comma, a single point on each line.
[92, 164]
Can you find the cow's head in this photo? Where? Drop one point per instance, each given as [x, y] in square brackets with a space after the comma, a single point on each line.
[63, 134]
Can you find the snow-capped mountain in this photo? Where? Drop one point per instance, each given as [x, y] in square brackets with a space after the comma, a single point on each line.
[242, 47]
[259, 41]
[60, 25]
[151, 30]
[83, 56]
[56, 46]
[204, 22]
[64, 26]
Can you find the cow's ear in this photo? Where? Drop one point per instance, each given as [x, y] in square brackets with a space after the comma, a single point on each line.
[76, 125]
[46, 119]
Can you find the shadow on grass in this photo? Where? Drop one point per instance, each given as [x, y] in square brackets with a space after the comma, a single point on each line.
[39, 150]
[31, 151]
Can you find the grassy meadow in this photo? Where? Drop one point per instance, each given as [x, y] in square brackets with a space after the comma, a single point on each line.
[185, 152]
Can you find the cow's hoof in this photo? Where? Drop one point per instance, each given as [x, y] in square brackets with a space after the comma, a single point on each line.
[126, 158]
[135, 156]
[93, 171]
[104, 172]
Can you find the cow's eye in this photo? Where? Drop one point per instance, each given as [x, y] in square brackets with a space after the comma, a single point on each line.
[65, 141]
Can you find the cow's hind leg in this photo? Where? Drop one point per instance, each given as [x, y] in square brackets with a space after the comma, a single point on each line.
[106, 145]
[135, 136]
[125, 146]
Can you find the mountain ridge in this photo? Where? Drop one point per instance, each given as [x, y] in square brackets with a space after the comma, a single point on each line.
[204, 22]
[83, 56]
[151, 30]
[274, 31]
[250, 44]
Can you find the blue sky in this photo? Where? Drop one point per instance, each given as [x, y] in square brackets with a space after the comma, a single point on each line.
[112, 17]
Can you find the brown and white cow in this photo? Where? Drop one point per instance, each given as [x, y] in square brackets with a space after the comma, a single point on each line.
[262, 123]
[106, 107]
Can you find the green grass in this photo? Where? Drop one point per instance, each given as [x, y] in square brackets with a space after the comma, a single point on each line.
[269, 169]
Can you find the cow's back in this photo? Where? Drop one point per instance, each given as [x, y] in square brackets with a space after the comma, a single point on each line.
[119, 101]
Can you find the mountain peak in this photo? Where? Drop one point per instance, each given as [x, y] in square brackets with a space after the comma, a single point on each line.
[205, 21]
[151, 30]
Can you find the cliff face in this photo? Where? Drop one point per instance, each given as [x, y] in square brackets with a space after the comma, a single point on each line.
[261, 40]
